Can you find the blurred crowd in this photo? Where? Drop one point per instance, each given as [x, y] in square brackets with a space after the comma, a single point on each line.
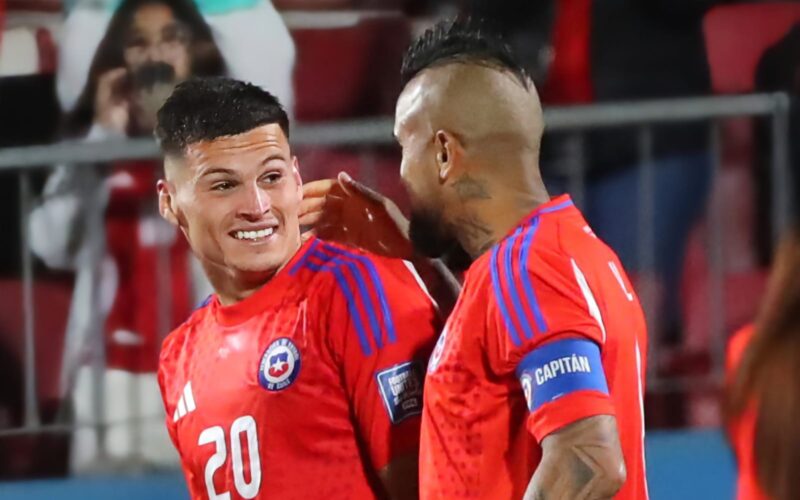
[112, 278]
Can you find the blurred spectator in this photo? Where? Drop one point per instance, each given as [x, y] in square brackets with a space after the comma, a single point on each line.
[150, 46]
[630, 51]
[132, 269]
[250, 34]
[778, 71]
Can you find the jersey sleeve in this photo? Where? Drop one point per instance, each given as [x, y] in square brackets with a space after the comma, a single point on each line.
[545, 329]
[383, 326]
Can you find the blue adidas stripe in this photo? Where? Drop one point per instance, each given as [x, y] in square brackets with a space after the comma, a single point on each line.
[300, 263]
[527, 285]
[363, 293]
[388, 321]
[512, 290]
[498, 293]
[350, 299]
[555, 208]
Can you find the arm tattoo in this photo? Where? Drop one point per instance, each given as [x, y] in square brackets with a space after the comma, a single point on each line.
[469, 188]
[582, 461]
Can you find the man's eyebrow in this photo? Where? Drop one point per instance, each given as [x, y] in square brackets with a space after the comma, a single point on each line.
[217, 170]
[274, 156]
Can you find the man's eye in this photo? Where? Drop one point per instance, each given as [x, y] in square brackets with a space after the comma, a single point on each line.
[222, 186]
[272, 178]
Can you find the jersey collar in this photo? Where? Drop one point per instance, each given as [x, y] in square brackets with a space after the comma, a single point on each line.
[271, 293]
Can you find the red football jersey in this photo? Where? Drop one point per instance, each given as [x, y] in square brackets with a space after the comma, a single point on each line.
[547, 331]
[306, 388]
[743, 431]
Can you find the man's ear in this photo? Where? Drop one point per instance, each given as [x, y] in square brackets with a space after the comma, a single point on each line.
[448, 151]
[166, 202]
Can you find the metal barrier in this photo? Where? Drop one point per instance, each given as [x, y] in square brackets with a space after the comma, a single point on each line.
[573, 120]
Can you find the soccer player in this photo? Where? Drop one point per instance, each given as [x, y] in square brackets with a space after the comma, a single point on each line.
[535, 386]
[302, 376]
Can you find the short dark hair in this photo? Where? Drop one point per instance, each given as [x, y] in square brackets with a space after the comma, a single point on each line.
[203, 109]
[460, 40]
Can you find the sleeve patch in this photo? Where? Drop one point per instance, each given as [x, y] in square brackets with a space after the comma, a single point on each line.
[401, 390]
[560, 368]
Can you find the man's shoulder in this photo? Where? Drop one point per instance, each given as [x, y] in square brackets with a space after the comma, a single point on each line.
[180, 339]
[342, 265]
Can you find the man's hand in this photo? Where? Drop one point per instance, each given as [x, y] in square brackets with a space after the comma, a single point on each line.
[582, 461]
[111, 106]
[401, 478]
[348, 212]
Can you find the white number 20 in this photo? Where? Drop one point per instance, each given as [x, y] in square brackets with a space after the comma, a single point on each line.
[216, 435]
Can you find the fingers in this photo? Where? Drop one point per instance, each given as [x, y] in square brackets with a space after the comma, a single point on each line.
[353, 187]
[310, 205]
[110, 80]
[320, 188]
[311, 219]
[313, 210]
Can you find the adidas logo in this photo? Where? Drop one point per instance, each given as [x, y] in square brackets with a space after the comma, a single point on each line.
[185, 403]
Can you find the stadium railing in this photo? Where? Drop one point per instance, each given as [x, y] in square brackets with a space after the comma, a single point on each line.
[574, 121]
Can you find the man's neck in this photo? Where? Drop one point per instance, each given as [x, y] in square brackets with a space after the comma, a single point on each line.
[233, 286]
[484, 222]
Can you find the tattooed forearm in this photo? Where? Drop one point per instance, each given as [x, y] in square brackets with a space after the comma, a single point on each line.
[581, 461]
[469, 188]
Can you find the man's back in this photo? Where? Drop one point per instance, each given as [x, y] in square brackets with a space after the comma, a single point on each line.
[308, 387]
[543, 315]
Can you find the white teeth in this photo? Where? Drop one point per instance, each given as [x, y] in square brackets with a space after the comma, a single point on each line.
[254, 235]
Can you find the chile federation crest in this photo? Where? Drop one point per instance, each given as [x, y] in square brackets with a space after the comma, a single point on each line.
[280, 365]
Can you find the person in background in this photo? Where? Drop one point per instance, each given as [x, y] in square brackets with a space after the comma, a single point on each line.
[250, 34]
[134, 279]
[763, 398]
[778, 71]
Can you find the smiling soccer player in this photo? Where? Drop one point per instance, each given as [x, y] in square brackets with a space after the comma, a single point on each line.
[302, 376]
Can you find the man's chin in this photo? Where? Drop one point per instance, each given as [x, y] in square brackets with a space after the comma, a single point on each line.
[256, 270]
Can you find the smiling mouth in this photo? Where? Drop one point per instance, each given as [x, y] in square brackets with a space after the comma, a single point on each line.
[253, 235]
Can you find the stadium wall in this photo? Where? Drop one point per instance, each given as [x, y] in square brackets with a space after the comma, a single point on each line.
[680, 464]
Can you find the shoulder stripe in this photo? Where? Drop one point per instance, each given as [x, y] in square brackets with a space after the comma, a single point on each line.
[509, 268]
[377, 284]
[349, 298]
[513, 286]
[363, 293]
[301, 263]
[499, 296]
[555, 208]
[527, 284]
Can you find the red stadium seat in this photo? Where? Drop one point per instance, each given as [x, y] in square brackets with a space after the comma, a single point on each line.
[35, 454]
[349, 71]
[51, 307]
[48, 54]
[736, 37]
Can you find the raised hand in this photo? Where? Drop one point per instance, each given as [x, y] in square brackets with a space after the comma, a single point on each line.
[348, 212]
